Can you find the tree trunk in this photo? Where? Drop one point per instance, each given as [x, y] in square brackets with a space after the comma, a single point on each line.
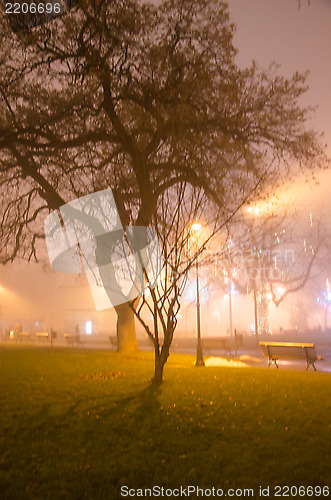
[126, 331]
[158, 370]
[160, 361]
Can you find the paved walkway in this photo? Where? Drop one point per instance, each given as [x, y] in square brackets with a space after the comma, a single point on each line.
[252, 356]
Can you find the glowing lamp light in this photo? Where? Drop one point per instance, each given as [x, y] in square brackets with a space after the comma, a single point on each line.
[195, 228]
[195, 232]
[253, 210]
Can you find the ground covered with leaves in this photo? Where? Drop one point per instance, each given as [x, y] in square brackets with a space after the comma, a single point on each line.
[78, 423]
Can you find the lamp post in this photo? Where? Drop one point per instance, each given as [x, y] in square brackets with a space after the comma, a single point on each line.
[256, 322]
[199, 361]
[230, 310]
[255, 212]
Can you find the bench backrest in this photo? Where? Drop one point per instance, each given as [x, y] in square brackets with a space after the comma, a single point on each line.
[222, 342]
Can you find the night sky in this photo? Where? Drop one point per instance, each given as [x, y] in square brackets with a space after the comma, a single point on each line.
[299, 39]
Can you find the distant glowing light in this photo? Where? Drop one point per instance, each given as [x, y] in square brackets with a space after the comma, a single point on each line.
[325, 297]
[88, 327]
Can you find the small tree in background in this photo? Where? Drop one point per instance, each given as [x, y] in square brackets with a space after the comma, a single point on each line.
[275, 252]
[179, 209]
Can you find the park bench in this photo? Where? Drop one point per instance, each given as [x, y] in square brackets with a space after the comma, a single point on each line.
[43, 336]
[24, 336]
[47, 336]
[73, 338]
[227, 344]
[290, 350]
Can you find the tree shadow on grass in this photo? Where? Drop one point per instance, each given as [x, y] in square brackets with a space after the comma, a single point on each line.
[145, 401]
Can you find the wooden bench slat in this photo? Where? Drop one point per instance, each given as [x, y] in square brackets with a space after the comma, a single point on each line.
[288, 344]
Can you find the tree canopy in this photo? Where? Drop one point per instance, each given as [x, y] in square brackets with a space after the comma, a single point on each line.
[139, 98]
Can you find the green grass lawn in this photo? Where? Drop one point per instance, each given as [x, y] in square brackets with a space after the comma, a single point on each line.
[80, 424]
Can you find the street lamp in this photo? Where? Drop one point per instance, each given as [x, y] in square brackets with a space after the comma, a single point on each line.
[195, 229]
[255, 211]
[230, 285]
[230, 308]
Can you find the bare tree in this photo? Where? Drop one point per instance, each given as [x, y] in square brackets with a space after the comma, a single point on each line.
[140, 99]
[274, 254]
[179, 210]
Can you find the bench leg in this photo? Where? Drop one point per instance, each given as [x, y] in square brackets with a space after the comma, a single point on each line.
[312, 364]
